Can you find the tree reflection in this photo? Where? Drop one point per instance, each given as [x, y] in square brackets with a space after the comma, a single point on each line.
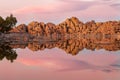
[7, 52]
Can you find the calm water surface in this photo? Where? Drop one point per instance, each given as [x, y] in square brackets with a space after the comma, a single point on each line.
[59, 63]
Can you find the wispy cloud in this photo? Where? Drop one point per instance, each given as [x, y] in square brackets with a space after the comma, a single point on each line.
[57, 10]
[116, 4]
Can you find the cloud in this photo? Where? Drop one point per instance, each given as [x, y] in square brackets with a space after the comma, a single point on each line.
[101, 10]
[78, 0]
[106, 0]
[55, 8]
[117, 4]
[32, 9]
[61, 9]
[116, 65]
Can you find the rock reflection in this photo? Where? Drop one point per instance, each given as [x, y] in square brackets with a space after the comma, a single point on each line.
[75, 45]
[71, 44]
[7, 52]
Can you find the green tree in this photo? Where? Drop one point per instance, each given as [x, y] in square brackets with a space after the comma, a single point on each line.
[7, 24]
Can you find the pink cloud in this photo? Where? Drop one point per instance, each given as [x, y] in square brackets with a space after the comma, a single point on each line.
[102, 10]
[59, 6]
[61, 9]
[99, 12]
[32, 9]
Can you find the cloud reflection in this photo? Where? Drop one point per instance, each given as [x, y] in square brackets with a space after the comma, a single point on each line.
[61, 64]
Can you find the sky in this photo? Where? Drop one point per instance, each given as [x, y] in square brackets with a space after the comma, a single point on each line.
[58, 10]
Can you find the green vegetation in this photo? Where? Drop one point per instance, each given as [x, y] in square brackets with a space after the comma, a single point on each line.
[7, 24]
[7, 52]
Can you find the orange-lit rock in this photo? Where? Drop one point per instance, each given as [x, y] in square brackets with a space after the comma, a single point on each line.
[69, 26]
[20, 28]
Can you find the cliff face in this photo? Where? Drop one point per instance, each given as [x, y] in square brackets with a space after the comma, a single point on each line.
[70, 26]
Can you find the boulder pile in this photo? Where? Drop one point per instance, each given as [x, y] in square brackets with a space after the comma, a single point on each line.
[70, 26]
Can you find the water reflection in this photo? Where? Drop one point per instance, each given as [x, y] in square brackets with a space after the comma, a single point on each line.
[7, 52]
[56, 64]
[72, 45]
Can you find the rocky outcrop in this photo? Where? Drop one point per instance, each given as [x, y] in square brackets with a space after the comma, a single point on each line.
[35, 28]
[42, 29]
[91, 35]
[70, 26]
[21, 28]
[71, 35]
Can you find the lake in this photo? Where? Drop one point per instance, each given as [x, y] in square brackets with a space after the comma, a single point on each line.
[62, 59]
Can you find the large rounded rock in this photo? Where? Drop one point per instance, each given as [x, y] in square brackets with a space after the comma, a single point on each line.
[20, 28]
[35, 28]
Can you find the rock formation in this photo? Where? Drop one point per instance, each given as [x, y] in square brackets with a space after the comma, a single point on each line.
[71, 35]
[70, 26]
[21, 28]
